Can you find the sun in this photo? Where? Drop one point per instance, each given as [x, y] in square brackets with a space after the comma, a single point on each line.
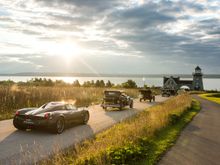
[69, 50]
[66, 50]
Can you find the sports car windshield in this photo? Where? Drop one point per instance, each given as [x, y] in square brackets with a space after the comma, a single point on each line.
[51, 105]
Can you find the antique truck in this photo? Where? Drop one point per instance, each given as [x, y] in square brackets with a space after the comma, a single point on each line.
[116, 99]
[146, 94]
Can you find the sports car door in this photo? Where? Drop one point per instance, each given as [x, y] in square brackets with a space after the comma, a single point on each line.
[75, 114]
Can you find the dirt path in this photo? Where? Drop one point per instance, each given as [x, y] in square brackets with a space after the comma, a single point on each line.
[199, 143]
[23, 147]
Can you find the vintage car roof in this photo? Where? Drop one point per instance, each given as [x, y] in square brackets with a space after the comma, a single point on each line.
[144, 90]
[121, 91]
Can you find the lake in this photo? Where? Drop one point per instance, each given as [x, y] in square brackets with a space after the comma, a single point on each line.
[209, 84]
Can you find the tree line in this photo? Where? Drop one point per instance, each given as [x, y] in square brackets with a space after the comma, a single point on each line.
[76, 83]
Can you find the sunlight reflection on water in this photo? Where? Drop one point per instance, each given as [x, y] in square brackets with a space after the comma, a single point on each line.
[209, 84]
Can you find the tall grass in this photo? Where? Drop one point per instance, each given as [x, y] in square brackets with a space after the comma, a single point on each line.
[111, 146]
[16, 97]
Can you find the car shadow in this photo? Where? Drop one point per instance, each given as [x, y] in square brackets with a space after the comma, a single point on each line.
[120, 115]
[28, 147]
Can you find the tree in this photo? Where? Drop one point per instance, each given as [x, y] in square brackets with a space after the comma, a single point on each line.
[97, 83]
[87, 84]
[49, 82]
[102, 83]
[129, 84]
[109, 84]
[92, 83]
[76, 83]
[145, 86]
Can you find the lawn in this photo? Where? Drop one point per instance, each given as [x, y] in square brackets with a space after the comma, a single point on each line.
[215, 97]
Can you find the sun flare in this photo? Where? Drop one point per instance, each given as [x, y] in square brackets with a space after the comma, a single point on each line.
[67, 50]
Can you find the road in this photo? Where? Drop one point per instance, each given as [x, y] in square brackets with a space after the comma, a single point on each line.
[199, 143]
[28, 147]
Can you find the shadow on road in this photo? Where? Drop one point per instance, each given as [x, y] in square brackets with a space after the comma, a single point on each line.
[119, 116]
[28, 147]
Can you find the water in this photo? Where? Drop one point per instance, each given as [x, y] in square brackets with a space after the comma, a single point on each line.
[209, 84]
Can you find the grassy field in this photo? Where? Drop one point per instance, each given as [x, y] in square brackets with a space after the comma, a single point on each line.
[215, 97]
[15, 97]
[143, 137]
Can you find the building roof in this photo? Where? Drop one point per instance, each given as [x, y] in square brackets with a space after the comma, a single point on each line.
[197, 68]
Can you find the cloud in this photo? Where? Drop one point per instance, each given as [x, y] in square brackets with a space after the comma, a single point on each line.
[110, 33]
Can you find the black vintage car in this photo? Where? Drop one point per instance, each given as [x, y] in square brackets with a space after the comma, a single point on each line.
[54, 116]
[166, 92]
[116, 99]
[146, 94]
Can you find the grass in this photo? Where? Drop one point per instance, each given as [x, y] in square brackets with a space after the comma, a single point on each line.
[215, 97]
[166, 137]
[197, 92]
[143, 137]
[15, 97]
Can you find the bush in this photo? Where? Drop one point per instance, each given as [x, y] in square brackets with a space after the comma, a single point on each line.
[129, 84]
[129, 153]
[173, 118]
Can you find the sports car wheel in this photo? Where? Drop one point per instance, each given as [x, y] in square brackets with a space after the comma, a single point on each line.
[18, 126]
[86, 118]
[60, 125]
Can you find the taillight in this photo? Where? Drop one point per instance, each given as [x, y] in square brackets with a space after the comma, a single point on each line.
[17, 113]
[46, 116]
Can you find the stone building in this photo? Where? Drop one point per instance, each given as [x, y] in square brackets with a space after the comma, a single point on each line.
[175, 83]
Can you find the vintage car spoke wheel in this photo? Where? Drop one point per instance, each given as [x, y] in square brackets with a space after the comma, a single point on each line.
[60, 125]
[86, 118]
[121, 106]
[132, 103]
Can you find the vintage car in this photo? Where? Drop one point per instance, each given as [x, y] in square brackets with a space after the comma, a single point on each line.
[146, 94]
[54, 116]
[166, 92]
[116, 99]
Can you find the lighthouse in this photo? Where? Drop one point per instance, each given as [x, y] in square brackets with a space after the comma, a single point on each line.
[197, 79]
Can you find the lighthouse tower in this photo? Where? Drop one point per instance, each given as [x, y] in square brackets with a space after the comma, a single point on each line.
[197, 79]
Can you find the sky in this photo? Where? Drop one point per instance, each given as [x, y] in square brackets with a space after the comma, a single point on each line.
[110, 36]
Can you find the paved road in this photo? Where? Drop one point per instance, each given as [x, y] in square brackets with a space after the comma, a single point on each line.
[23, 147]
[199, 143]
